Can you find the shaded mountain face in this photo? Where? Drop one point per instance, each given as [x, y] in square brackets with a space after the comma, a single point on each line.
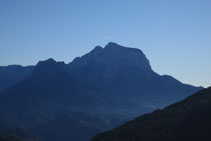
[13, 74]
[112, 55]
[49, 89]
[14, 135]
[67, 129]
[186, 120]
[73, 127]
[6, 137]
[126, 74]
[105, 64]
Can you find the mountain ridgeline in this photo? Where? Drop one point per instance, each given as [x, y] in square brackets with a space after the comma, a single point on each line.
[107, 84]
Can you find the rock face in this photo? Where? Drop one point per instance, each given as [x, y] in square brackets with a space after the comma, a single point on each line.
[114, 54]
[186, 120]
[126, 74]
[108, 61]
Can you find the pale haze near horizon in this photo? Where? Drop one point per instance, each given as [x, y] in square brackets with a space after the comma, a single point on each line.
[175, 35]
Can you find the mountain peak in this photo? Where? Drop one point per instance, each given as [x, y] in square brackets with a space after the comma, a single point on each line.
[49, 65]
[96, 50]
[117, 47]
[48, 62]
[112, 44]
[126, 55]
[45, 62]
[114, 54]
[114, 47]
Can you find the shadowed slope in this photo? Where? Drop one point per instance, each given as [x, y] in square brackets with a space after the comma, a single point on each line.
[13, 74]
[185, 120]
[49, 89]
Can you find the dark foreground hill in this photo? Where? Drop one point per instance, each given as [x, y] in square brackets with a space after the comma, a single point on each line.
[5, 137]
[188, 120]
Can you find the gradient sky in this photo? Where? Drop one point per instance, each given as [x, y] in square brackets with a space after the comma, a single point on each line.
[175, 35]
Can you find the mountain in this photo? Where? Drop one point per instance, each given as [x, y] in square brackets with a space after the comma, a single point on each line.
[125, 73]
[110, 82]
[37, 104]
[49, 89]
[13, 74]
[185, 120]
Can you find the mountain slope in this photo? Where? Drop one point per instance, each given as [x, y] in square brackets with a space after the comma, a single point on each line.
[50, 88]
[67, 129]
[185, 120]
[14, 135]
[126, 74]
[13, 74]
[72, 127]
[5, 137]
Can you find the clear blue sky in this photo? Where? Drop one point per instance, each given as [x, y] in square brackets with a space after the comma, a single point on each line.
[174, 34]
